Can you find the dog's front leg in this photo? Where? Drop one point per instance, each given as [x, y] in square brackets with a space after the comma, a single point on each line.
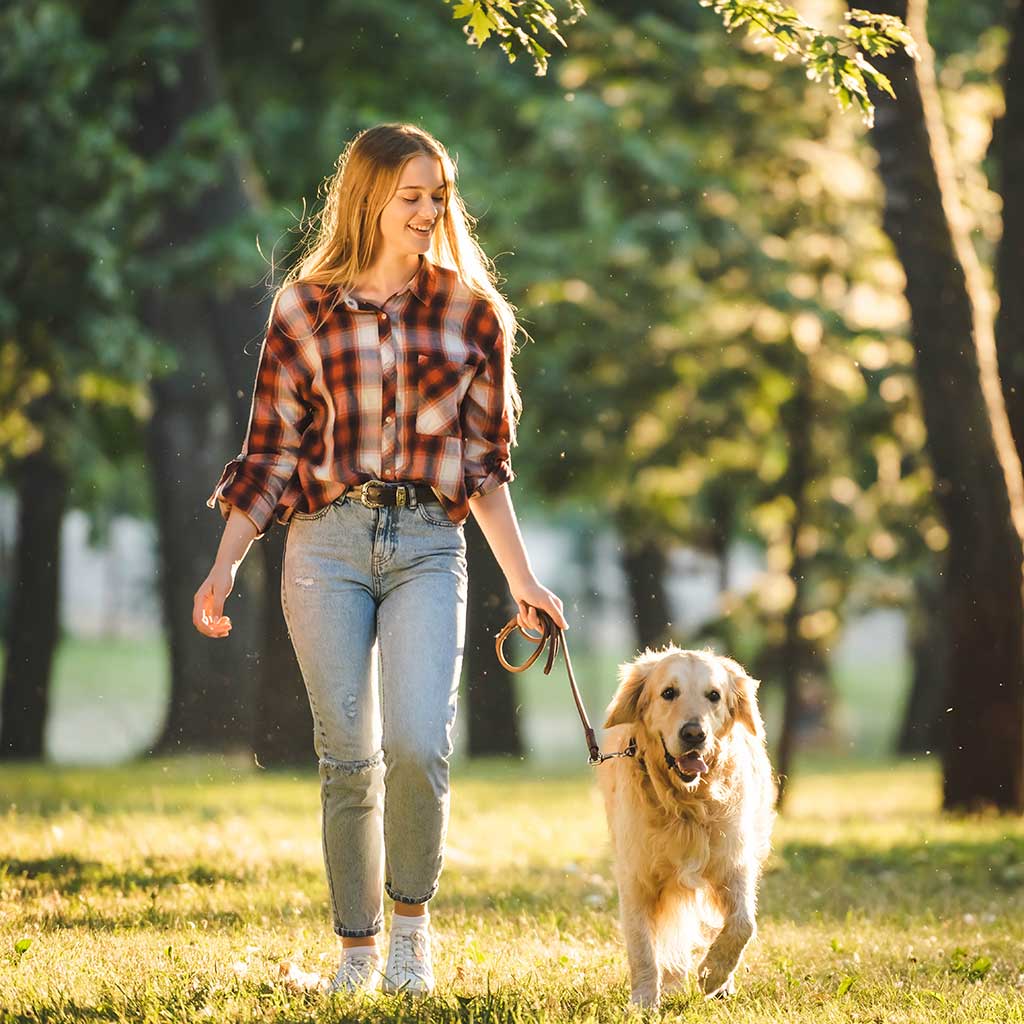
[737, 898]
[644, 973]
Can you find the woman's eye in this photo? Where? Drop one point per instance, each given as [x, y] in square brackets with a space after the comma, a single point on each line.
[670, 693]
[714, 696]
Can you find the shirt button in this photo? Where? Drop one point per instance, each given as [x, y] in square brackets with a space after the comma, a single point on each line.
[388, 472]
[387, 419]
[383, 316]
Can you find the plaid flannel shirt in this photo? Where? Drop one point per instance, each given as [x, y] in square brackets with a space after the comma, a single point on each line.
[414, 390]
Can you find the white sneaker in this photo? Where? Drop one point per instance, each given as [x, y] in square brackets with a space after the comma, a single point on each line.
[409, 966]
[360, 970]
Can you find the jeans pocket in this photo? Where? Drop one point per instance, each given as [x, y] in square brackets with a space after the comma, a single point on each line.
[318, 514]
[438, 518]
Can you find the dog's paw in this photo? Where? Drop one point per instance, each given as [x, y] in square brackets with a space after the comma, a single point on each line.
[724, 991]
[645, 999]
[717, 980]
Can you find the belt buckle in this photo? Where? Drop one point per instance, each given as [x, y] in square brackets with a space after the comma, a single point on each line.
[367, 501]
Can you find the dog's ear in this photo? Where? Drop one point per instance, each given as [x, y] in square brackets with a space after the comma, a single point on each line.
[743, 698]
[628, 703]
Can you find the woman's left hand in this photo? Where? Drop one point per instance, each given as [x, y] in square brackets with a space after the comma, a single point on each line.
[529, 597]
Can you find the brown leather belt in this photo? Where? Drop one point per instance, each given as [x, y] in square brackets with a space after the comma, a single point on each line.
[381, 493]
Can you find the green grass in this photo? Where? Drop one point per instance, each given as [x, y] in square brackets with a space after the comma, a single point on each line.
[174, 891]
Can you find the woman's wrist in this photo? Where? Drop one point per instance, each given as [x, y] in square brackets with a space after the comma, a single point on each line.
[521, 579]
[235, 542]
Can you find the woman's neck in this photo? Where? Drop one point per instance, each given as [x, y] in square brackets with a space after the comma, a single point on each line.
[386, 276]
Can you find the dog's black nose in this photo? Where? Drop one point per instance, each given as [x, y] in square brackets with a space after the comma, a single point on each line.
[692, 734]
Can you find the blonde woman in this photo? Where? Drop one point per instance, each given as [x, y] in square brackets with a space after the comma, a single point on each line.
[383, 412]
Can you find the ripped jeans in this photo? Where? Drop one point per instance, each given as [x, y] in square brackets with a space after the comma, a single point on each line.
[375, 603]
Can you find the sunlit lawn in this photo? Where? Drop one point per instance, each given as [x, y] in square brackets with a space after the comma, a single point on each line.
[181, 890]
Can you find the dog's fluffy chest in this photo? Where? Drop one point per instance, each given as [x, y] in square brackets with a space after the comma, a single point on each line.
[692, 839]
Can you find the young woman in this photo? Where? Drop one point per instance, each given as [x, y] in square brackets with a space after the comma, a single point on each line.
[382, 415]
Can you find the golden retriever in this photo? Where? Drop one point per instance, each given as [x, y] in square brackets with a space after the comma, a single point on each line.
[690, 817]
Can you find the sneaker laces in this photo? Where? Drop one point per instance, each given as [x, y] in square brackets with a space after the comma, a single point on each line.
[411, 953]
[357, 967]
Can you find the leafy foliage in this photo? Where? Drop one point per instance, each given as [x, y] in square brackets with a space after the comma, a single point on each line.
[73, 357]
[519, 23]
[838, 60]
[688, 235]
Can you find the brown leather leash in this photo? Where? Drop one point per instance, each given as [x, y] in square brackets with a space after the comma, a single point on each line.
[553, 636]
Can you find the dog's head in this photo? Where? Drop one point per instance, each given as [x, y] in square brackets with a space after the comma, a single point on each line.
[691, 699]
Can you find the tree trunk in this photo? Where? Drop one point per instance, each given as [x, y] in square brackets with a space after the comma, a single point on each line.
[1008, 146]
[645, 564]
[722, 517]
[212, 687]
[216, 697]
[922, 730]
[284, 726]
[983, 761]
[791, 663]
[34, 619]
[490, 693]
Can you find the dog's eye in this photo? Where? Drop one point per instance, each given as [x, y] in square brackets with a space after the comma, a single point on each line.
[670, 693]
[714, 696]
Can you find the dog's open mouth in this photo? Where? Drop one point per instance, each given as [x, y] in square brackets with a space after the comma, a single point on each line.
[692, 763]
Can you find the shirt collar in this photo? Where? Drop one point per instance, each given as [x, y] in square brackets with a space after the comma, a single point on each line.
[423, 284]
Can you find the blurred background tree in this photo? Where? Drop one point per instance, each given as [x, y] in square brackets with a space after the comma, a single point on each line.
[694, 237]
[73, 357]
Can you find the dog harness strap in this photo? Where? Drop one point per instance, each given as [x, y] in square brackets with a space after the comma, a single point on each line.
[553, 636]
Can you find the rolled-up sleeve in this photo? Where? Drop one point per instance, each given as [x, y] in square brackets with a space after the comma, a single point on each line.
[486, 413]
[255, 480]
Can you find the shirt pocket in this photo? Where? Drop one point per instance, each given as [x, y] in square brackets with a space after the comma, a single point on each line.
[441, 384]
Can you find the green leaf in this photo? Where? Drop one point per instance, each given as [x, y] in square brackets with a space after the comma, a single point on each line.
[979, 968]
[481, 24]
[21, 946]
[844, 986]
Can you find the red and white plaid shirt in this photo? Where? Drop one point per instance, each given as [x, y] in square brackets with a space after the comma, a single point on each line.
[412, 391]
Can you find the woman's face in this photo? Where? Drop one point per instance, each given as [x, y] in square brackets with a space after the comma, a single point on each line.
[418, 203]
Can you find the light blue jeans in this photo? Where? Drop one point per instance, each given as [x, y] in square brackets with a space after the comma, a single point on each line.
[375, 602]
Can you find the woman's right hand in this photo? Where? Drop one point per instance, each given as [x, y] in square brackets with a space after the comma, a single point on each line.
[208, 605]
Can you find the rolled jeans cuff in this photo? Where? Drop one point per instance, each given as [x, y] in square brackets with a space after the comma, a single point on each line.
[413, 900]
[357, 933]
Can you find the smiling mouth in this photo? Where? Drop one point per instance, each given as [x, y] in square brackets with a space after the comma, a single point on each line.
[692, 763]
[421, 231]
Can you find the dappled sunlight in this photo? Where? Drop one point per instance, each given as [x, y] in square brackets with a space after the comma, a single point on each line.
[216, 905]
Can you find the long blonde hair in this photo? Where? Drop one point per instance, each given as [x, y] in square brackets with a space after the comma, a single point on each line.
[342, 240]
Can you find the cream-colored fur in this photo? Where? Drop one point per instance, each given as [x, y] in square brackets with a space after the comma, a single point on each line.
[688, 856]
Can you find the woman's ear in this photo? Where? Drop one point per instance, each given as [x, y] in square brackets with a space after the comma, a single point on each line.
[628, 703]
[743, 698]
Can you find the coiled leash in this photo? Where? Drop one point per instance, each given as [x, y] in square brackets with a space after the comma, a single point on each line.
[555, 638]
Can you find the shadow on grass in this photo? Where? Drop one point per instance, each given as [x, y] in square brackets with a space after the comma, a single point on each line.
[70, 874]
[804, 881]
[816, 880]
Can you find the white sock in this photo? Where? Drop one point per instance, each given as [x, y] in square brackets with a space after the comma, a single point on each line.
[405, 923]
[353, 951]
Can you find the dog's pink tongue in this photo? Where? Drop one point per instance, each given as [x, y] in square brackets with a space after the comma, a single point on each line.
[692, 764]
